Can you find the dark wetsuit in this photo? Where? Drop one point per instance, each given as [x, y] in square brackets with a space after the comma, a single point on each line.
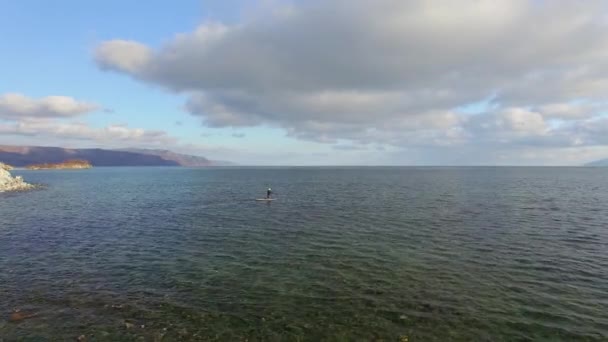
[268, 193]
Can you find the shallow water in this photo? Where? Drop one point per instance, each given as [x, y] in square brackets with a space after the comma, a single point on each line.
[424, 254]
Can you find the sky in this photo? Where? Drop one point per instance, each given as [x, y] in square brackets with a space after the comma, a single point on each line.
[332, 82]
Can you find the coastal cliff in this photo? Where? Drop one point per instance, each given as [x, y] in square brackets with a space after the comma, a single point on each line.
[5, 167]
[10, 183]
[68, 164]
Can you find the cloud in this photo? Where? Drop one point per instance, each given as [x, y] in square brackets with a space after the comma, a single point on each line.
[118, 135]
[393, 72]
[123, 55]
[508, 124]
[350, 147]
[239, 135]
[568, 111]
[519, 127]
[51, 121]
[14, 106]
[51, 117]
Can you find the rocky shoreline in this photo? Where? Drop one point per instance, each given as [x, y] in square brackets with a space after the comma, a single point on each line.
[10, 183]
[68, 164]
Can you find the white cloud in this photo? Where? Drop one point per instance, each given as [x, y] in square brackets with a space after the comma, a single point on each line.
[14, 106]
[393, 72]
[568, 111]
[123, 55]
[50, 120]
[510, 121]
[111, 135]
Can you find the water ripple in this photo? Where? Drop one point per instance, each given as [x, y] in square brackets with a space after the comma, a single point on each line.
[432, 254]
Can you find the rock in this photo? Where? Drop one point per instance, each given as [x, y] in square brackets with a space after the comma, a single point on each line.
[81, 338]
[159, 337]
[129, 325]
[10, 183]
[18, 316]
[5, 167]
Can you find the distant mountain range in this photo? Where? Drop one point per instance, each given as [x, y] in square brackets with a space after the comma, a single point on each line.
[602, 162]
[26, 155]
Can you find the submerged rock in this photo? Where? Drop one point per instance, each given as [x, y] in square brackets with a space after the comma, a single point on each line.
[18, 316]
[10, 183]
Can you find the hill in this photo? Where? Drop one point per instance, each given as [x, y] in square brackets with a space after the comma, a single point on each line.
[21, 156]
[602, 162]
[68, 164]
[180, 159]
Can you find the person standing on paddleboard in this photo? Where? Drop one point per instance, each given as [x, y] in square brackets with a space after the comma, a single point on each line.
[268, 193]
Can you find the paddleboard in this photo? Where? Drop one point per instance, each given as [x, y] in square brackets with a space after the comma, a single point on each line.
[265, 199]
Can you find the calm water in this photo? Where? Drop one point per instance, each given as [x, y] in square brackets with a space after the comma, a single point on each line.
[394, 254]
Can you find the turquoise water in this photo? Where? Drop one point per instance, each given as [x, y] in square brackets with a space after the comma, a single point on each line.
[351, 254]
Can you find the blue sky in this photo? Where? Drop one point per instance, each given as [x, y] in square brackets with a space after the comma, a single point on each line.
[48, 49]
[319, 82]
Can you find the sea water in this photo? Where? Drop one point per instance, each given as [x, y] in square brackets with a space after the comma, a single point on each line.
[393, 254]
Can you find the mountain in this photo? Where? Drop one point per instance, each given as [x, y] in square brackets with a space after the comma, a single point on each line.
[602, 162]
[180, 159]
[26, 155]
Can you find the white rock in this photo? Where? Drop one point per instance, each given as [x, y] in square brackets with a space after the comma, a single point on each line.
[10, 183]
